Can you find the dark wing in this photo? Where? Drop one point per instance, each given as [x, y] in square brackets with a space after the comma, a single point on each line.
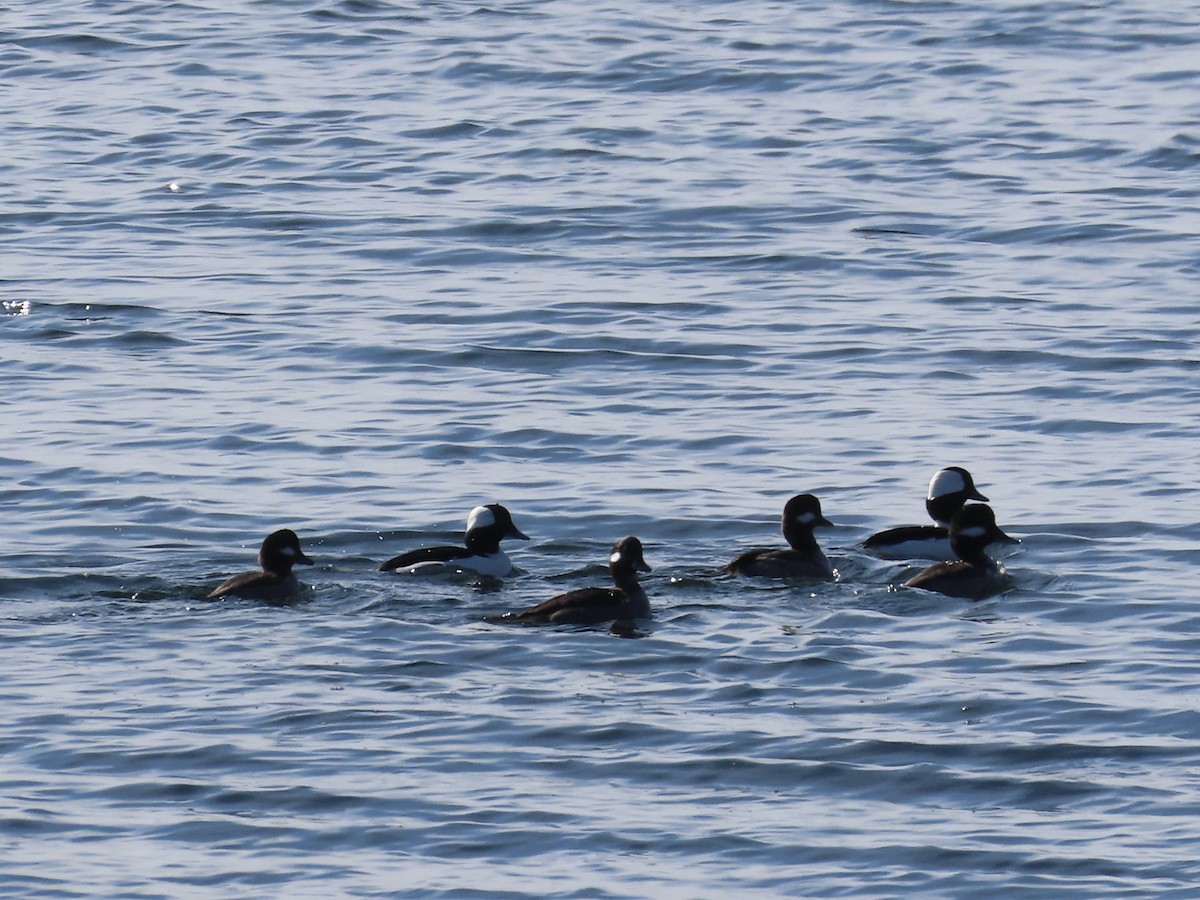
[587, 606]
[926, 578]
[743, 563]
[903, 535]
[779, 564]
[248, 584]
[956, 579]
[962, 579]
[424, 555]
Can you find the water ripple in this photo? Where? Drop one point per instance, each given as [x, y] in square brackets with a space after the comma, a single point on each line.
[356, 267]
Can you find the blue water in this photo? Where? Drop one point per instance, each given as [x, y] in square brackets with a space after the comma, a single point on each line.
[354, 267]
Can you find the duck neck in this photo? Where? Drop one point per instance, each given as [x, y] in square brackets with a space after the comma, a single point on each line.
[636, 603]
[942, 509]
[974, 555]
[483, 541]
[626, 580]
[802, 540]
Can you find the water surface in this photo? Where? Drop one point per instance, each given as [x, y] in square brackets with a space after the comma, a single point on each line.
[355, 267]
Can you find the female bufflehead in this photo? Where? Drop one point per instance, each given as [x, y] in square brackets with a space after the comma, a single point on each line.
[801, 515]
[949, 489]
[275, 583]
[486, 527]
[593, 606]
[974, 575]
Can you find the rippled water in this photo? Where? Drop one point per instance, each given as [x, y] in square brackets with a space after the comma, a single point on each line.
[354, 267]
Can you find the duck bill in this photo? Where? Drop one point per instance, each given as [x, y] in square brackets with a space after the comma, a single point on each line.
[515, 532]
[302, 559]
[823, 522]
[999, 537]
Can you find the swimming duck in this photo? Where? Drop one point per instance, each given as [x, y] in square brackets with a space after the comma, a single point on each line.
[486, 527]
[593, 606]
[974, 575]
[803, 559]
[949, 489]
[275, 583]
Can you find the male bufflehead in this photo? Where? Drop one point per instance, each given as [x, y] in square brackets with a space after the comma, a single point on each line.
[804, 559]
[275, 583]
[949, 489]
[974, 575]
[486, 527]
[593, 606]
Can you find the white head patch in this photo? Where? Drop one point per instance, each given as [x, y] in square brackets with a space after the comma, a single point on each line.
[287, 551]
[805, 517]
[480, 517]
[974, 531]
[614, 559]
[945, 482]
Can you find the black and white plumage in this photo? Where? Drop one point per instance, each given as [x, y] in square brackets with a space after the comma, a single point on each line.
[487, 526]
[275, 583]
[974, 575]
[594, 606]
[803, 558]
[949, 489]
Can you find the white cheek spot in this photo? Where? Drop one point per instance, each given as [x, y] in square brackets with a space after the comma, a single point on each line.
[480, 517]
[614, 559]
[805, 518]
[945, 482]
[975, 531]
[287, 551]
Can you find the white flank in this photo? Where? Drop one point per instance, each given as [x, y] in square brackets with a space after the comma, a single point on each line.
[496, 564]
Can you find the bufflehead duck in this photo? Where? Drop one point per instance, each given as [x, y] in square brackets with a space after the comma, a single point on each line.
[949, 489]
[275, 583]
[486, 527]
[804, 559]
[974, 575]
[593, 606]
